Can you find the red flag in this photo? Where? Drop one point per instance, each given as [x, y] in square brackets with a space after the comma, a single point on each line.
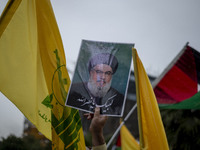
[178, 85]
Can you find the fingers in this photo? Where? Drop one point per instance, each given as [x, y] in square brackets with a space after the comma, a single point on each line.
[89, 116]
[97, 115]
[97, 112]
[105, 118]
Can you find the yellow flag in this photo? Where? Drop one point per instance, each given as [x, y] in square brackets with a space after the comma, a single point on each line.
[128, 142]
[33, 72]
[152, 133]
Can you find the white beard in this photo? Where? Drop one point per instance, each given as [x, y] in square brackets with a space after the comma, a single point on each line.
[98, 91]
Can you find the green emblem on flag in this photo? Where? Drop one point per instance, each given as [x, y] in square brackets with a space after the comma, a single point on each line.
[67, 128]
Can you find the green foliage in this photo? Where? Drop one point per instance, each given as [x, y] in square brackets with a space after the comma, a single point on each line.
[12, 143]
[26, 143]
[182, 128]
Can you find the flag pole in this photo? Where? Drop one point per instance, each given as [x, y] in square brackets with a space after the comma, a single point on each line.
[121, 124]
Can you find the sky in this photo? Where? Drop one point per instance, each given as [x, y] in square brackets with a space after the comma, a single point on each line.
[159, 30]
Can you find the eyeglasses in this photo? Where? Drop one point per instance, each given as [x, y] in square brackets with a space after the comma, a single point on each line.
[100, 73]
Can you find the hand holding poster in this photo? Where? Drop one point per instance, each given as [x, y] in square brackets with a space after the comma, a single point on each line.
[101, 77]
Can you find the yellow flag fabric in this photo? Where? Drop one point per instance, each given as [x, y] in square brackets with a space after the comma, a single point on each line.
[128, 142]
[33, 72]
[152, 133]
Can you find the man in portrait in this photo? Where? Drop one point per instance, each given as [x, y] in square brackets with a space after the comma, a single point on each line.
[97, 91]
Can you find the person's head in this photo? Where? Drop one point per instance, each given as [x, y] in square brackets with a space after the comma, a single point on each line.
[101, 68]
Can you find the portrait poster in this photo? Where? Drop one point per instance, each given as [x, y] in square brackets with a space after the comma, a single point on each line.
[101, 77]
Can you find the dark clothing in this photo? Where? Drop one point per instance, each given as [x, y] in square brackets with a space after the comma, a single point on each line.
[80, 97]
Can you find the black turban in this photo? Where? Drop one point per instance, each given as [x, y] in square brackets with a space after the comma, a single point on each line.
[103, 58]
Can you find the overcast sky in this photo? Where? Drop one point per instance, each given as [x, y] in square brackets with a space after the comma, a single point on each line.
[159, 30]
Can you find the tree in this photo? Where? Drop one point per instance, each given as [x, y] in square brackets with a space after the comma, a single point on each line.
[12, 143]
[26, 143]
[182, 128]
